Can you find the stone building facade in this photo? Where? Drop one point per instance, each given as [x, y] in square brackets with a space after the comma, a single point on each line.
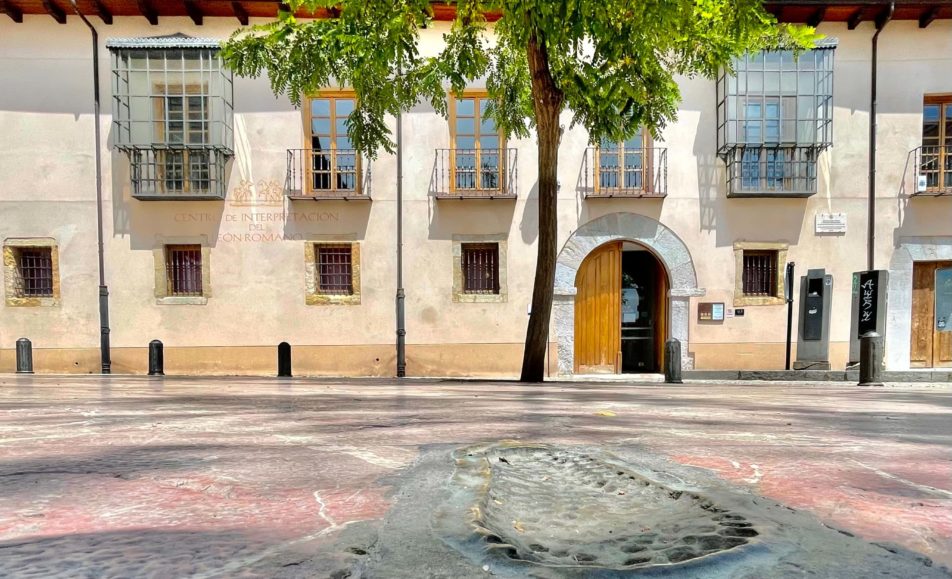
[234, 221]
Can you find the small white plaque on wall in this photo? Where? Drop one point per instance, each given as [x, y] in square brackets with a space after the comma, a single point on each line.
[831, 223]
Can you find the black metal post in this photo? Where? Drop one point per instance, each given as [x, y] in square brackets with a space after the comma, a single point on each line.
[672, 361]
[871, 359]
[401, 295]
[156, 358]
[104, 348]
[24, 356]
[284, 360]
[880, 23]
[788, 293]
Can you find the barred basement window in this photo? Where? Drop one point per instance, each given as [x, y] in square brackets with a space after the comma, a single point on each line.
[774, 116]
[480, 268]
[34, 272]
[172, 108]
[183, 270]
[334, 269]
[760, 273]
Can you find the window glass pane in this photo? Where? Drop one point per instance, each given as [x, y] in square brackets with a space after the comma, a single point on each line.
[465, 126]
[320, 126]
[320, 108]
[930, 123]
[489, 142]
[772, 60]
[464, 107]
[340, 126]
[465, 142]
[772, 82]
[343, 107]
[487, 125]
[806, 83]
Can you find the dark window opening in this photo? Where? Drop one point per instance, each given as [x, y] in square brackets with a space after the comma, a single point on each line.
[480, 268]
[335, 269]
[35, 271]
[183, 268]
[760, 273]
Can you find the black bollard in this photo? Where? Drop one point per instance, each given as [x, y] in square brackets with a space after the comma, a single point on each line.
[871, 359]
[672, 361]
[156, 358]
[284, 360]
[24, 356]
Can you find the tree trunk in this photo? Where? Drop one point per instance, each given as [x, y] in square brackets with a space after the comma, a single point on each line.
[547, 102]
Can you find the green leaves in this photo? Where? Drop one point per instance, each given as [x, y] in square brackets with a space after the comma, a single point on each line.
[614, 62]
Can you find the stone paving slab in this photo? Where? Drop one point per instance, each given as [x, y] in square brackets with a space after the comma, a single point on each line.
[132, 476]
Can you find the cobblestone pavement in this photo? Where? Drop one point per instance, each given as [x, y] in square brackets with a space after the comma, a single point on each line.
[130, 476]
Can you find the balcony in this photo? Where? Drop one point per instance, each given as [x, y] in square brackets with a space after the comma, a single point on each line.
[474, 174]
[625, 173]
[934, 177]
[326, 175]
[178, 173]
[771, 171]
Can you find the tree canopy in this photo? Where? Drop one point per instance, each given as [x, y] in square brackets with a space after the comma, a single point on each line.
[612, 63]
[615, 61]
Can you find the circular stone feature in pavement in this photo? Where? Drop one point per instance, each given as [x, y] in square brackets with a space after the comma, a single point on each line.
[560, 507]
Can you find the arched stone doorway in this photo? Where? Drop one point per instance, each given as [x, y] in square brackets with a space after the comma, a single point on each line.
[620, 227]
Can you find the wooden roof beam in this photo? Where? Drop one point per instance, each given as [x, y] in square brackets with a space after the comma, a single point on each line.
[104, 14]
[928, 16]
[194, 12]
[240, 13]
[55, 11]
[148, 11]
[855, 19]
[12, 11]
[817, 17]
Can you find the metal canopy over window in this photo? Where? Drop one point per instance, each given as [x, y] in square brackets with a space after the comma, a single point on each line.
[774, 116]
[173, 115]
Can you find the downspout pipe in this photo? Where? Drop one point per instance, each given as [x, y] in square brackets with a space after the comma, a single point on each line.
[401, 295]
[871, 210]
[106, 362]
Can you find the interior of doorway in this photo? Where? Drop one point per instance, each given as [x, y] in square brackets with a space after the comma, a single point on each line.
[644, 304]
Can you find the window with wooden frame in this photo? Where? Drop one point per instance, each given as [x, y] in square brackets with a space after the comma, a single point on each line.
[332, 164]
[759, 270]
[624, 166]
[477, 147]
[31, 272]
[479, 263]
[332, 273]
[183, 271]
[935, 162]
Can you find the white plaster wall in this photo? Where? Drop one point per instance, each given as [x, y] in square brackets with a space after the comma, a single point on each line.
[47, 189]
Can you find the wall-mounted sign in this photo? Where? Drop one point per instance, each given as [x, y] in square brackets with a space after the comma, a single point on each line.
[831, 223]
[710, 312]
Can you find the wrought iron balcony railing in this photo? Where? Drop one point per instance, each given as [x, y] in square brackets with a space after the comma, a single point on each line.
[626, 172]
[934, 170]
[474, 173]
[770, 171]
[330, 174]
[187, 172]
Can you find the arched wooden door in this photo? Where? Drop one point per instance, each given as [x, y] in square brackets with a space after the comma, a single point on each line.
[598, 311]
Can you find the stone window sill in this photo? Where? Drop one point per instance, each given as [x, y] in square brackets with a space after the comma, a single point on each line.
[182, 301]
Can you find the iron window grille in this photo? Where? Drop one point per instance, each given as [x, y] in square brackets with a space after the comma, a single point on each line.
[760, 273]
[34, 272]
[335, 274]
[479, 263]
[183, 270]
[774, 117]
[173, 116]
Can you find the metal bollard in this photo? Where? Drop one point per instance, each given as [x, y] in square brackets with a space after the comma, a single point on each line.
[24, 356]
[871, 359]
[672, 361]
[284, 360]
[156, 358]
